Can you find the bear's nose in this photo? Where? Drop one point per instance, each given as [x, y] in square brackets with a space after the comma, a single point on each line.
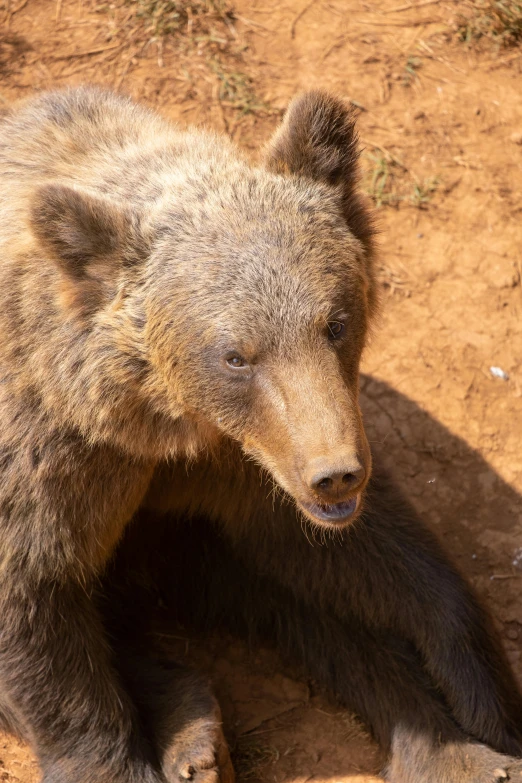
[333, 481]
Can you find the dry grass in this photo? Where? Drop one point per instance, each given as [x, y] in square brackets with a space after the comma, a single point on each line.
[389, 183]
[195, 19]
[251, 757]
[203, 39]
[410, 76]
[423, 191]
[202, 27]
[497, 20]
[236, 90]
[381, 180]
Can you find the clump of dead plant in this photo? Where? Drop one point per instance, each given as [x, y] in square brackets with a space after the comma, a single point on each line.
[195, 18]
[251, 758]
[497, 20]
[236, 90]
[389, 182]
[206, 41]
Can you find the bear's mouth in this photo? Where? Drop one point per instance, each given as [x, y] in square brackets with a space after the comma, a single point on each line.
[334, 513]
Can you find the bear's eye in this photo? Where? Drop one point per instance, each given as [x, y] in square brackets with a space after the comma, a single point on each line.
[335, 329]
[236, 362]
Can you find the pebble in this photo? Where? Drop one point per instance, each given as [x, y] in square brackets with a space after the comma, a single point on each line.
[498, 372]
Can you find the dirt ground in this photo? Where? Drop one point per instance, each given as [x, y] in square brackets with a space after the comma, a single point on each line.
[442, 130]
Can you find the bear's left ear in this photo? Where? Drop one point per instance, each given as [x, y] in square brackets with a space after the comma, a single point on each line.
[318, 140]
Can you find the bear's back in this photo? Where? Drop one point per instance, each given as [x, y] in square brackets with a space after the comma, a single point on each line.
[99, 141]
[75, 136]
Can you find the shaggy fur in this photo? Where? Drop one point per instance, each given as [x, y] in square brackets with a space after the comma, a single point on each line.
[174, 321]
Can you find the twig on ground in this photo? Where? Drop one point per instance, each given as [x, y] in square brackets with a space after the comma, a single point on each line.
[217, 100]
[503, 61]
[505, 576]
[336, 45]
[136, 53]
[88, 53]
[392, 157]
[413, 23]
[410, 6]
[13, 11]
[432, 56]
[299, 16]
[251, 23]
[18, 8]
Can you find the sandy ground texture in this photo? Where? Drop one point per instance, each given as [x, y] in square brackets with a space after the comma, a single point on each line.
[442, 130]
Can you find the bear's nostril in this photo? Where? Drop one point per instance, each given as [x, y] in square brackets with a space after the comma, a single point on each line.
[334, 483]
[325, 483]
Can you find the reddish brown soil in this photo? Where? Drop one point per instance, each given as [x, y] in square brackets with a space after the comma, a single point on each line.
[450, 431]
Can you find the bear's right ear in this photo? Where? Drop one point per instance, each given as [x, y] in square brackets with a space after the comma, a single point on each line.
[77, 229]
[87, 236]
[318, 140]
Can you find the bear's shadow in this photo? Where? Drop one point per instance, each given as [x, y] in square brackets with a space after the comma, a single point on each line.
[285, 728]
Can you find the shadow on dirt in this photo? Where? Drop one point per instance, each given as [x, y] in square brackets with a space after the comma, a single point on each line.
[463, 499]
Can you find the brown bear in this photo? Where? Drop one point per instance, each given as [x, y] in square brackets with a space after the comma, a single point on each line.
[177, 325]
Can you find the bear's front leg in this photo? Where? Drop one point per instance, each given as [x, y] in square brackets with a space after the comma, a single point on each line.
[382, 679]
[389, 573]
[197, 750]
[63, 506]
[199, 753]
[416, 757]
[56, 669]
[178, 711]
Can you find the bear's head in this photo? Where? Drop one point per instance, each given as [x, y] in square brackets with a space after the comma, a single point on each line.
[254, 300]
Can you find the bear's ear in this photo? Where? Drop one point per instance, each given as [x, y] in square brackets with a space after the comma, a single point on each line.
[317, 139]
[80, 231]
[90, 238]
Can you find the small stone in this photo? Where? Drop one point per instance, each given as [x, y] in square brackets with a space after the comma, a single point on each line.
[512, 633]
[516, 138]
[500, 774]
[498, 372]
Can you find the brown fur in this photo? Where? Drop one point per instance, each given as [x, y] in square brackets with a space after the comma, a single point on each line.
[164, 304]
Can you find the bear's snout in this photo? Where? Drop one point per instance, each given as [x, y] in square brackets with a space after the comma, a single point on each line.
[333, 481]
